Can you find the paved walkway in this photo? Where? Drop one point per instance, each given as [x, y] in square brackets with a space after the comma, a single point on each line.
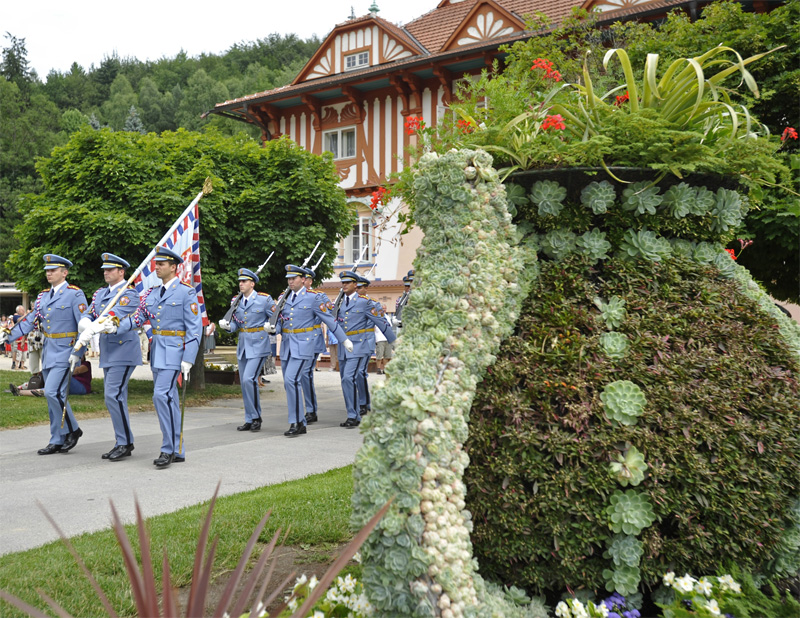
[75, 487]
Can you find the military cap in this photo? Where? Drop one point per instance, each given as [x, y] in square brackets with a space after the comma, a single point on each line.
[113, 261]
[406, 281]
[163, 255]
[348, 275]
[245, 274]
[52, 261]
[295, 271]
[310, 273]
[410, 275]
[362, 281]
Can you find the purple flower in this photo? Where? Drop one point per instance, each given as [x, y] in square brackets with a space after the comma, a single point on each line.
[613, 615]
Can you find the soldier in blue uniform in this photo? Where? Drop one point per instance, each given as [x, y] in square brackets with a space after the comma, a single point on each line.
[174, 315]
[299, 335]
[364, 402]
[120, 353]
[253, 311]
[309, 392]
[58, 311]
[359, 315]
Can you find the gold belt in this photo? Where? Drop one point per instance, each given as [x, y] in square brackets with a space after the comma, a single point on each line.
[170, 333]
[301, 330]
[251, 330]
[358, 332]
[59, 335]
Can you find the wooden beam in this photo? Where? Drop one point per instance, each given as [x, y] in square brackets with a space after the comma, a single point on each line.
[402, 91]
[356, 98]
[445, 80]
[314, 108]
[274, 115]
[416, 88]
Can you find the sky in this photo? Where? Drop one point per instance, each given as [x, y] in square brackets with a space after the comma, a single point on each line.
[58, 33]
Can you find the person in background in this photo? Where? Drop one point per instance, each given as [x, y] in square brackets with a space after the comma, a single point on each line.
[35, 343]
[79, 384]
[144, 343]
[18, 351]
[383, 348]
[210, 342]
[333, 351]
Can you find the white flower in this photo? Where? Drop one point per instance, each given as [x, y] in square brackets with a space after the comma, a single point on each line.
[601, 609]
[318, 614]
[703, 586]
[293, 604]
[685, 583]
[713, 607]
[669, 579]
[312, 583]
[726, 582]
[562, 610]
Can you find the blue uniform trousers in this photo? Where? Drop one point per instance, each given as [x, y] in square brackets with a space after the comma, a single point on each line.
[249, 370]
[55, 389]
[363, 388]
[350, 369]
[168, 408]
[309, 392]
[293, 370]
[116, 395]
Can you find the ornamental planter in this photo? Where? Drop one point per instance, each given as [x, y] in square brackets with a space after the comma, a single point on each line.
[216, 376]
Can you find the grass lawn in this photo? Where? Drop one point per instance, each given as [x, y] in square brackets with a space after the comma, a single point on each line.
[316, 509]
[25, 411]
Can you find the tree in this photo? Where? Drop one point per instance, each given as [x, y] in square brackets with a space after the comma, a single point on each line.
[133, 122]
[202, 93]
[15, 62]
[123, 189]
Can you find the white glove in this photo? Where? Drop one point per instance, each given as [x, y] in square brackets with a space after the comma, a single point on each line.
[269, 328]
[74, 361]
[4, 333]
[84, 323]
[186, 367]
[86, 337]
[348, 345]
[224, 324]
[109, 326]
[95, 328]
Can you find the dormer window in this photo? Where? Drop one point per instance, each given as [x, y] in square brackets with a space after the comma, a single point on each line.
[356, 61]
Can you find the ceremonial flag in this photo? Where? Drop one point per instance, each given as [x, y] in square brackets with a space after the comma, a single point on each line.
[183, 238]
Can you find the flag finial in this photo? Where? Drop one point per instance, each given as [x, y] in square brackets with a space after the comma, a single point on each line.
[374, 8]
[207, 188]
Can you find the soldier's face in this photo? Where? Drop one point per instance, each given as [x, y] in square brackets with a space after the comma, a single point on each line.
[295, 284]
[113, 276]
[308, 282]
[165, 270]
[56, 276]
[246, 286]
[348, 287]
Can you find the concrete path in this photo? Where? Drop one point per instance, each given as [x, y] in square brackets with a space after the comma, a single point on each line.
[76, 487]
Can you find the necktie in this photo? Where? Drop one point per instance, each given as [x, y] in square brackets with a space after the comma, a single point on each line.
[162, 290]
[51, 293]
[244, 303]
[347, 301]
[294, 295]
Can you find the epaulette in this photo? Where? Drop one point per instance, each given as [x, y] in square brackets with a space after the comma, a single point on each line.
[364, 296]
[263, 294]
[316, 291]
[187, 284]
[45, 290]
[131, 287]
[73, 287]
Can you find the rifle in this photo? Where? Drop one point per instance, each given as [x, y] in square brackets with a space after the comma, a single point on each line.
[238, 299]
[402, 303]
[282, 301]
[319, 261]
[338, 302]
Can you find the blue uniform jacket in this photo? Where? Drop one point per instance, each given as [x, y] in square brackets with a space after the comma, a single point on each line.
[117, 349]
[249, 321]
[300, 324]
[359, 320]
[321, 347]
[58, 318]
[176, 323]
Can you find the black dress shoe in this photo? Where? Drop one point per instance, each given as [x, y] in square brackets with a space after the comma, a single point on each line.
[363, 411]
[49, 449]
[14, 390]
[311, 418]
[178, 459]
[245, 427]
[163, 460]
[295, 429]
[349, 423]
[107, 455]
[256, 425]
[71, 439]
[123, 450]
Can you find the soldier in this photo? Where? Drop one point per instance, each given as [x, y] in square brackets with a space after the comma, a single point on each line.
[57, 310]
[359, 315]
[299, 340]
[309, 392]
[253, 311]
[119, 353]
[174, 315]
[364, 401]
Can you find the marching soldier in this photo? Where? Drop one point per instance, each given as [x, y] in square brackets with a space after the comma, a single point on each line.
[253, 311]
[57, 310]
[359, 316]
[309, 392]
[174, 315]
[119, 353]
[364, 401]
[299, 340]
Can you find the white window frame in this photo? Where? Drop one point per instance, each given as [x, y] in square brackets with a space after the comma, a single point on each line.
[339, 154]
[360, 234]
[360, 60]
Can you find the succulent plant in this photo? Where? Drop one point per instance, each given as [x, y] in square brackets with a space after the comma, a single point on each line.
[642, 197]
[623, 401]
[624, 550]
[612, 312]
[682, 247]
[594, 245]
[679, 199]
[629, 512]
[548, 195]
[517, 196]
[727, 212]
[705, 253]
[645, 244]
[725, 263]
[624, 580]
[703, 201]
[598, 196]
[559, 243]
[629, 468]
[615, 345]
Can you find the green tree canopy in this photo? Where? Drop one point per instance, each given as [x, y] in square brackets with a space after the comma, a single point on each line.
[121, 191]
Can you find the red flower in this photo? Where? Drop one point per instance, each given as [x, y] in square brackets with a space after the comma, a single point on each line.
[414, 124]
[554, 75]
[465, 126]
[541, 63]
[789, 132]
[380, 196]
[554, 122]
[732, 252]
[622, 99]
